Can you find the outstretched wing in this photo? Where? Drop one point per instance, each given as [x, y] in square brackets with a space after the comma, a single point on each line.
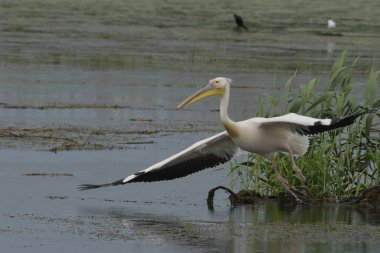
[203, 154]
[306, 125]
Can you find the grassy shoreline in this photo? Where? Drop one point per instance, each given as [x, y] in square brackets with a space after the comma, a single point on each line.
[338, 164]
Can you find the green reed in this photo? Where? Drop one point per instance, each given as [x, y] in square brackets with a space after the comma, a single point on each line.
[339, 163]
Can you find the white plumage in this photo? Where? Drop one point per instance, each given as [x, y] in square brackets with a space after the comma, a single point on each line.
[331, 23]
[203, 147]
[293, 118]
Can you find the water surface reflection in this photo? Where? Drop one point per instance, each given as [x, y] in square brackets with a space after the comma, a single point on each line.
[267, 227]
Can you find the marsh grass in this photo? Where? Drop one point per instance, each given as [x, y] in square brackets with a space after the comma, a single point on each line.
[339, 163]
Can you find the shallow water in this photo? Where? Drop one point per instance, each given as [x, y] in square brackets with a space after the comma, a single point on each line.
[98, 81]
[49, 214]
[196, 38]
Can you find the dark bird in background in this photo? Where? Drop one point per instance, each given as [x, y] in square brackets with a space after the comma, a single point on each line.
[239, 22]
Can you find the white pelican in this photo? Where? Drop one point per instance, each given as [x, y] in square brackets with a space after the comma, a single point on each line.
[331, 23]
[288, 133]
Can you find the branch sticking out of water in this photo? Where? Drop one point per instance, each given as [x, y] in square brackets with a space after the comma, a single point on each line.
[240, 198]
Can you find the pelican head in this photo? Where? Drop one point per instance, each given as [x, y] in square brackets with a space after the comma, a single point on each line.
[215, 86]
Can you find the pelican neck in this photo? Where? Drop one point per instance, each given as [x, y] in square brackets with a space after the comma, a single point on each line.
[224, 106]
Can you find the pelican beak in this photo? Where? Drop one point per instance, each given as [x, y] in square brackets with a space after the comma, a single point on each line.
[207, 91]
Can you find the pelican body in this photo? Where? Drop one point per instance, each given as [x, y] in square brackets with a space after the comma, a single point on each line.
[264, 136]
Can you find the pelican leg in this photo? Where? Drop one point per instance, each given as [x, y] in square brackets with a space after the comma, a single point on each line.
[295, 167]
[280, 178]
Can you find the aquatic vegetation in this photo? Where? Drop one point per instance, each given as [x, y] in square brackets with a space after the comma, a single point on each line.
[339, 163]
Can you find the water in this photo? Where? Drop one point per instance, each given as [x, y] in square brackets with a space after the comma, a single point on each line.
[195, 37]
[90, 77]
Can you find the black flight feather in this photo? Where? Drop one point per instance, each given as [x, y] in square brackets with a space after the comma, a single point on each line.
[83, 187]
[207, 155]
[314, 129]
[335, 123]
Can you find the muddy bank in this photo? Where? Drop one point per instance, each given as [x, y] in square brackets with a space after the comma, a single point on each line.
[66, 138]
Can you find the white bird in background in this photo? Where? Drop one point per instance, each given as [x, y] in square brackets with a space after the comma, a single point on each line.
[331, 23]
[288, 133]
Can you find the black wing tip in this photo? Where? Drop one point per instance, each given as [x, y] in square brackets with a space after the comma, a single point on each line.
[336, 123]
[84, 187]
[348, 120]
